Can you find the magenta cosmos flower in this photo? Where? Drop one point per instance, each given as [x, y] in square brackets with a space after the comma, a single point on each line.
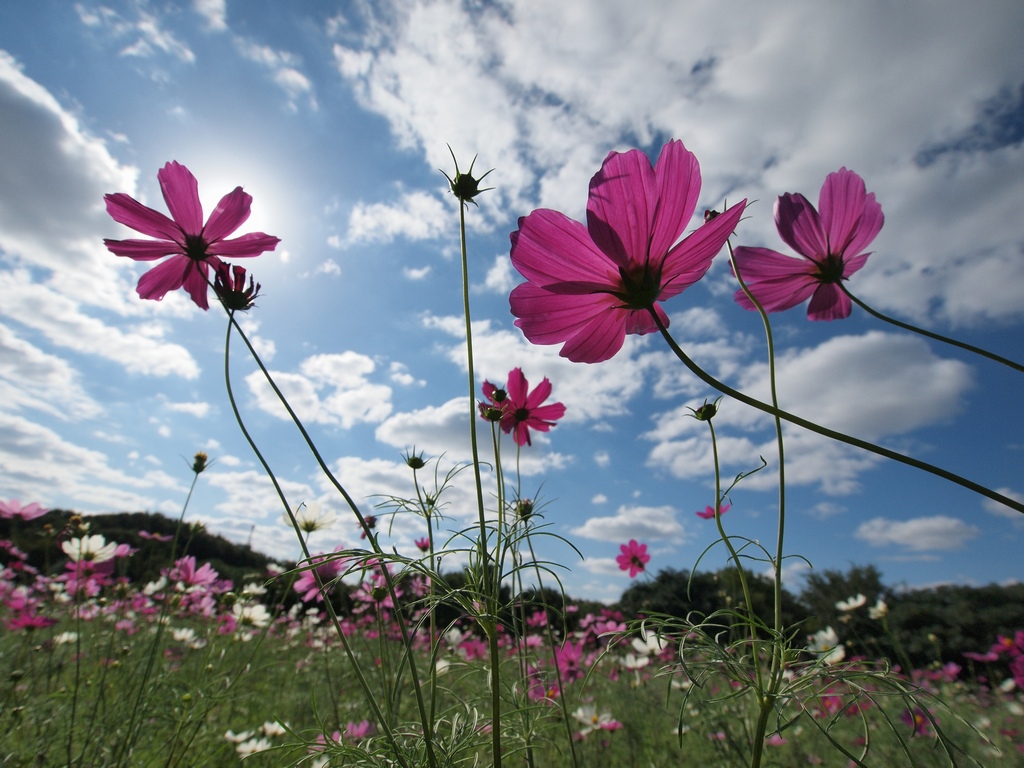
[708, 513]
[634, 558]
[522, 410]
[191, 245]
[831, 240]
[587, 287]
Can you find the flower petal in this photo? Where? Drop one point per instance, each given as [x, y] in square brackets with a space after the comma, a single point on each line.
[181, 193]
[841, 206]
[126, 210]
[678, 188]
[251, 244]
[687, 262]
[164, 277]
[539, 394]
[231, 213]
[142, 250]
[777, 281]
[549, 247]
[871, 222]
[550, 318]
[197, 280]
[621, 207]
[517, 387]
[800, 226]
[829, 303]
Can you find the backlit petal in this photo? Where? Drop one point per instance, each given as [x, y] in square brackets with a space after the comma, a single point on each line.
[549, 247]
[800, 226]
[251, 244]
[181, 193]
[231, 213]
[164, 277]
[677, 175]
[142, 250]
[688, 261]
[829, 303]
[840, 207]
[871, 222]
[126, 210]
[621, 206]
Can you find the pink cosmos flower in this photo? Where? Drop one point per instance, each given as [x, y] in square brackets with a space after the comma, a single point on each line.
[831, 240]
[520, 409]
[13, 509]
[708, 513]
[191, 245]
[634, 558]
[587, 287]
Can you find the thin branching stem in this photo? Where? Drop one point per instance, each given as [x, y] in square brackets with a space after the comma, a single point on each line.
[931, 334]
[841, 437]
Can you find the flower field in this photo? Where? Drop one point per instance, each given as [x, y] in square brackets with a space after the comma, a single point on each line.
[191, 669]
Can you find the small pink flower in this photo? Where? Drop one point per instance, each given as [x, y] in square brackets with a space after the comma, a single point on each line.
[522, 410]
[354, 731]
[13, 509]
[708, 513]
[589, 286]
[423, 545]
[191, 245]
[831, 240]
[634, 558]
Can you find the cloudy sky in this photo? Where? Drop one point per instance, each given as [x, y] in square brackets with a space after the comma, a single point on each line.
[337, 117]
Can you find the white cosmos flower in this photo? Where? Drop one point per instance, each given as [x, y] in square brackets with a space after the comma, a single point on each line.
[311, 516]
[852, 604]
[878, 610]
[826, 646]
[251, 614]
[89, 548]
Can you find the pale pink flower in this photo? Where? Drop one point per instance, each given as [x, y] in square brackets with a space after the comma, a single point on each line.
[588, 286]
[191, 245]
[831, 240]
[634, 558]
[12, 509]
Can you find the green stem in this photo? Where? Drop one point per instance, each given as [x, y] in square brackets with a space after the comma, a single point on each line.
[910, 461]
[388, 578]
[490, 626]
[332, 614]
[930, 334]
[767, 700]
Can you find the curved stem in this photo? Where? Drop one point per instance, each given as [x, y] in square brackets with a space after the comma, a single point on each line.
[841, 437]
[232, 324]
[931, 334]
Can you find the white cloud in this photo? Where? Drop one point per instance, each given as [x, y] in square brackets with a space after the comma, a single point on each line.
[199, 410]
[919, 534]
[31, 378]
[328, 267]
[149, 36]
[872, 386]
[415, 216]
[546, 108]
[215, 13]
[416, 273]
[329, 389]
[635, 522]
[284, 70]
[501, 277]
[42, 466]
[1001, 509]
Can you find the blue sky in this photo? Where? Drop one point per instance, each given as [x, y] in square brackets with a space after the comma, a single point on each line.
[337, 117]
